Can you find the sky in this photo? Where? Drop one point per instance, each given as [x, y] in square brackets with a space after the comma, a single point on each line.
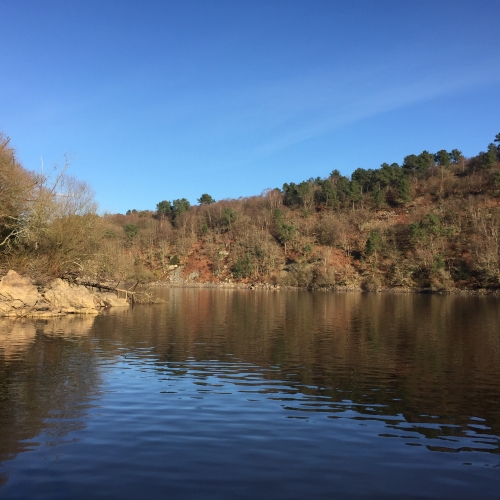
[159, 100]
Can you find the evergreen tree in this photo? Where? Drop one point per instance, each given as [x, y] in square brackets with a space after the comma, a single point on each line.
[456, 155]
[442, 158]
[343, 189]
[205, 199]
[228, 216]
[131, 230]
[180, 206]
[284, 231]
[163, 208]
[490, 157]
[243, 267]
[355, 194]
[420, 163]
[404, 189]
[374, 243]
[327, 194]
[378, 196]
[365, 178]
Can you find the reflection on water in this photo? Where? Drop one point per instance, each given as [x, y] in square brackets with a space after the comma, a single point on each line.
[15, 337]
[45, 380]
[244, 393]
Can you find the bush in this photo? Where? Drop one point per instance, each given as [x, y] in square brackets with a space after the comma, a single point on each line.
[243, 267]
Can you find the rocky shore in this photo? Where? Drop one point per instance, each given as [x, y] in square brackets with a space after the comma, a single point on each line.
[19, 297]
[187, 283]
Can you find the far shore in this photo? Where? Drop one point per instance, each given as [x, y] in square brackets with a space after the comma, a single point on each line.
[349, 288]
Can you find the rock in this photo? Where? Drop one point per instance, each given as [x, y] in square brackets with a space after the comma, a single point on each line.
[20, 298]
[111, 300]
[70, 298]
[192, 276]
[44, 314]
[4, 308]
[17, 288]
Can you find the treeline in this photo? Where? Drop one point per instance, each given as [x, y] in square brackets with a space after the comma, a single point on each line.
[431, 222]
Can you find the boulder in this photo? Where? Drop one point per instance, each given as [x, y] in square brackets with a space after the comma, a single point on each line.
[111, 300]
[70, 298]
[17, 290]
[5, 308]
[20, 298]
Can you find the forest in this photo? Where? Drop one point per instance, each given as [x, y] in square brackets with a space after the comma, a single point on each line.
[431, 223]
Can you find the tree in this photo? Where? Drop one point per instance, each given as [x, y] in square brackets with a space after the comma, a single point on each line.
[327, 194]
[16, 187]
[180, 206]
[131, 230]
[420, 163]
[284, 231]
[363, 177]
[410, 163]
[374, 243]
[163, 208]
[54, 217]
[404, 189]
[442, 158]
[387, 175]
[378, 196]
[343, 186]
[298, 194]
[456, 156]
[228, 216]
[205, 199]
[426, 160]
[490, 157]
[428, 227]
[243, 267]
[305, 194]
[355, 194]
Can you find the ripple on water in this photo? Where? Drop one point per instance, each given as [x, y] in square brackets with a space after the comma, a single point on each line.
[315, 395]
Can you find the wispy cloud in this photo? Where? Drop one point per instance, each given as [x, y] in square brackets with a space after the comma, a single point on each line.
[330, 108]
[258, 120]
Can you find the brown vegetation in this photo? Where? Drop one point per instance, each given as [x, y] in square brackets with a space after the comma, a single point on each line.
[432, 223]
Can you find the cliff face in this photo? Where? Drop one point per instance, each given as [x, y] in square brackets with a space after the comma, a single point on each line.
[20, 298]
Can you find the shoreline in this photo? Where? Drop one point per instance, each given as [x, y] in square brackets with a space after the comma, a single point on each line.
[270, 287]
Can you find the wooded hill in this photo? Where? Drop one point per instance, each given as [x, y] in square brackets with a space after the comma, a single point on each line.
[432, 222]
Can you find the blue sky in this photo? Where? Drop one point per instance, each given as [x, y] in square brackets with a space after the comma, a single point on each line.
[159, 100]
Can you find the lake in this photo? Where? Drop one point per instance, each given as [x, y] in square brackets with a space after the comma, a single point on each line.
[245, 394]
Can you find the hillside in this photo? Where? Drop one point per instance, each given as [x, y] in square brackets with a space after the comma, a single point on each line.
[430, 223]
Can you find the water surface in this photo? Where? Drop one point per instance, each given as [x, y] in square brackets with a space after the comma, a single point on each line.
[255, 394]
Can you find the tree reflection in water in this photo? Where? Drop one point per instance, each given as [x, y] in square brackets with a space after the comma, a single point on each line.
[48, 378]
[425, 369]
[430, 359]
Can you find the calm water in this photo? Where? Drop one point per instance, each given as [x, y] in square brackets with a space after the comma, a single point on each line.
[249, 394]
